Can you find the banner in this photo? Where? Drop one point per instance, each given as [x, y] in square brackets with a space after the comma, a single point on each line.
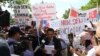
[91, 13]
[73, 13]
[44, 11]
[55, 24]
[75, 26]
[67, 22]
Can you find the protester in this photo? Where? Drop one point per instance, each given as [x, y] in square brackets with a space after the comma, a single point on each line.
[17, 46]
[96, 49]
[4, 49]
[29, 50]
[28, 29]
[64, 45]
[86, 38]
[50, 39]
[14, 36]
[71, 38]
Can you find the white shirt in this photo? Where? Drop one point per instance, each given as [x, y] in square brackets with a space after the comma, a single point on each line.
[92, 52]
[75, 54]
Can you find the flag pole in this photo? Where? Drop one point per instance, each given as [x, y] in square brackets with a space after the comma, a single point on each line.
[38, 27]
[38, 33]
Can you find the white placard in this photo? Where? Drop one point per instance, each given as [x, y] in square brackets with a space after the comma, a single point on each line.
[49, 48]
[21, 13]
[44, 11]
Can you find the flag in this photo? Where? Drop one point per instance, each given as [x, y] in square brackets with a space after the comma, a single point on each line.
[93, 14]
[45, 23]
[73, 13]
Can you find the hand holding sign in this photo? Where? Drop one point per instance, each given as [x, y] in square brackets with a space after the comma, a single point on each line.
[49, 49]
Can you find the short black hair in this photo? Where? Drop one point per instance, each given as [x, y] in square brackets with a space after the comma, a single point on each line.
[33, 23]
[27, 28]
[50, 29]
[70, 34]
[13, 31]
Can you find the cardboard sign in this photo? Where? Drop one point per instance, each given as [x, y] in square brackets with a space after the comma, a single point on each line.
[21, 14]
[44, 11]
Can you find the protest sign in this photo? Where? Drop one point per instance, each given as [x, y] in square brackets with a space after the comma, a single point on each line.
[21, 14]
[44, 11]
[72, 26]
[49, 49]
[21, 11]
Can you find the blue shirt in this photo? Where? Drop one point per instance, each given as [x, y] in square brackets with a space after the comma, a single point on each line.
[28, 53]
[11, 48]
[64, 43]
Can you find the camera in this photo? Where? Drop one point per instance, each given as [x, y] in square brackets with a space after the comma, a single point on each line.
[22, 45]
[28, 37]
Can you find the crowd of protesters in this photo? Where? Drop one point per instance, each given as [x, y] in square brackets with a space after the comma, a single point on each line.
[28, 41]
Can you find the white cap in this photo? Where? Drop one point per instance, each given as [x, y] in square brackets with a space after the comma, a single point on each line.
[92, 29]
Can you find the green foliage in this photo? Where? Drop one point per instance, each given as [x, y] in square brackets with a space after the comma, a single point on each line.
[21, 1]
[66, 14]
[91, 4]
[16, 1]
[12, 21]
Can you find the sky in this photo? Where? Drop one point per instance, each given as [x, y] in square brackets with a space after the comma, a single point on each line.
[62, 5]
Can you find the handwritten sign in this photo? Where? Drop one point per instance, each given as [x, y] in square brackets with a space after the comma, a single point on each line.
[21, 14]
[44, 11]
[21, 10]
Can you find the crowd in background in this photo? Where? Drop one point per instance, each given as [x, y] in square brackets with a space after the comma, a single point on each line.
[28, 41]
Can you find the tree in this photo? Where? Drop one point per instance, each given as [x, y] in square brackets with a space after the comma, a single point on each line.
[16, 1]
[11, 2]
[91, 4]
[12, 21]
[66, 14]
[22, 1]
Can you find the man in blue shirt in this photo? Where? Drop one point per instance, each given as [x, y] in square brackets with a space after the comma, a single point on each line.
[4, 50]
